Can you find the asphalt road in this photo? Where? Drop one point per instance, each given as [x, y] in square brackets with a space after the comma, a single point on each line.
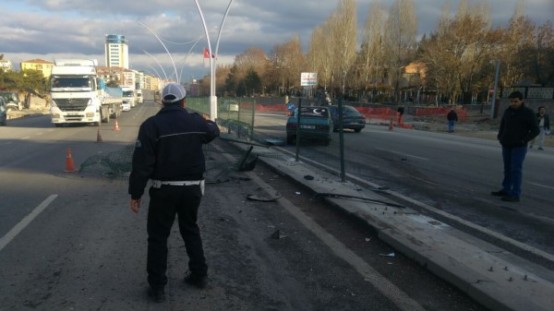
[450, 172]
[69, 242]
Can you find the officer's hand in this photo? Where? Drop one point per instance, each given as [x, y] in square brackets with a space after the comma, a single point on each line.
[135, 205]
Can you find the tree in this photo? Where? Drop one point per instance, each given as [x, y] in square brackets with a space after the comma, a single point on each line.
[369, 66]
[289, 63]
[343, 33]
[457, 54]
[232, 81]
[518, 38]
[400, 40]
[539, 57]
[252, 83]
[252, 58]
[320, 54]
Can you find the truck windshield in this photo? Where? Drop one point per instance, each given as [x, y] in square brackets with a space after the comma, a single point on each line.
[127, 93]
[72, 82]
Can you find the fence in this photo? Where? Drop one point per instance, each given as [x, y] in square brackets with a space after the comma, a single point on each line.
[240, 112]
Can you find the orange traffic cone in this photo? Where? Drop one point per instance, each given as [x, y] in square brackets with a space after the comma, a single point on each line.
[69, 166]
[391, 125]
[116, 126]
[98, 136]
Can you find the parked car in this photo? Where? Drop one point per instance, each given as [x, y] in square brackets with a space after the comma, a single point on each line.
[11, 100]
[315, 123]
[230, 106]
[351, 118]
[3, 112]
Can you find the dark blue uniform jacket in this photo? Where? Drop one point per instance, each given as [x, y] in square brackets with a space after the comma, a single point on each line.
[169, 148]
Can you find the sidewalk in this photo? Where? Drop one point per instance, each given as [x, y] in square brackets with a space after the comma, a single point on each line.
[494, 277]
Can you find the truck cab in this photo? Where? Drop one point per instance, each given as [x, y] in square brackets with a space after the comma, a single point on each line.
[74, 92]
[140, 99]
[129, 96]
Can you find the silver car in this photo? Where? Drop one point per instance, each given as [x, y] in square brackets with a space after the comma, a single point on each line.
[11, 100]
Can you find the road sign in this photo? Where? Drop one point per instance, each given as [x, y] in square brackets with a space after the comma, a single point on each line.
[308, 79]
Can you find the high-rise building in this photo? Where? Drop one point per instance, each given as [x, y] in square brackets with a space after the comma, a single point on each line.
[116, 51]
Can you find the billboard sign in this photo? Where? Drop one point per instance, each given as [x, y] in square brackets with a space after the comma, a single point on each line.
[308, 79]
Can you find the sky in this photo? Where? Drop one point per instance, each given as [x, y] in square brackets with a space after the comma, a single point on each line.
[50, 29]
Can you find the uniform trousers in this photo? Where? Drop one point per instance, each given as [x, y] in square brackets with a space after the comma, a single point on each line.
[165, 203]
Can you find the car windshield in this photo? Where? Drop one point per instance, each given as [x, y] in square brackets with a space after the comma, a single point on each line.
[320, 112]
[8, 96]
[347, 111]
[72, 82]
[350, 111]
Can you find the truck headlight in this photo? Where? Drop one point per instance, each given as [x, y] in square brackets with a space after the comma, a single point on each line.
[90, 103]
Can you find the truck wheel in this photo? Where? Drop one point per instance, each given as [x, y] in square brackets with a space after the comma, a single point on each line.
[105, 116]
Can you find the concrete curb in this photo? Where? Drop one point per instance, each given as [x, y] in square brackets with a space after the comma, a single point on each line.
[492, 276]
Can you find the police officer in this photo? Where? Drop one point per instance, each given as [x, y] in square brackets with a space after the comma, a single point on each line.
[168, 151]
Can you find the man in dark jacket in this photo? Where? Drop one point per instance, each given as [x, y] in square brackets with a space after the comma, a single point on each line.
[517, 127]
[169, 152]
[452, 118]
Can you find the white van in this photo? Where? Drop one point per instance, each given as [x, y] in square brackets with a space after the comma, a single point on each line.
[129, 96]
[139, 97]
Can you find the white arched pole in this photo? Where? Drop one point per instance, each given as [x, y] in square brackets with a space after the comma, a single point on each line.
[162, 43]
[157, 62]
[213, 97]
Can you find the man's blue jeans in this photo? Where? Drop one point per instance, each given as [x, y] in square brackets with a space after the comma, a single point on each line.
[513, 169]
[451, 124]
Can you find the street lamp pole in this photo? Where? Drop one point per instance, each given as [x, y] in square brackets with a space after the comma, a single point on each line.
[213, 97]
[493, 106]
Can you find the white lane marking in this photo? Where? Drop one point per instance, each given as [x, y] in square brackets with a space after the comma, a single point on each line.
[377, 280]
[380, 282]
[8, 237]
[26, 137]
[540, 185]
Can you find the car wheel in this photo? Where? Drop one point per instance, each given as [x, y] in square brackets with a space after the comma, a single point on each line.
[357, 130]
[290, 139]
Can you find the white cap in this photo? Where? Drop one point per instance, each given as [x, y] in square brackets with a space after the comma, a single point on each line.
[172, 93]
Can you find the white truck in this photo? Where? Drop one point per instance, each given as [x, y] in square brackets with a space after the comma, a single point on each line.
[140, 99]
[77, 96]
[129, 96]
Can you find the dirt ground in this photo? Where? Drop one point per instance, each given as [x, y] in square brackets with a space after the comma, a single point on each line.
[477, 125]
[39, 106]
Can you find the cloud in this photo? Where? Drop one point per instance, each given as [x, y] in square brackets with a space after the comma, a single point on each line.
[77, 28]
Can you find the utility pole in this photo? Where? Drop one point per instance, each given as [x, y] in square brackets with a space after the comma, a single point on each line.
[493, 106]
